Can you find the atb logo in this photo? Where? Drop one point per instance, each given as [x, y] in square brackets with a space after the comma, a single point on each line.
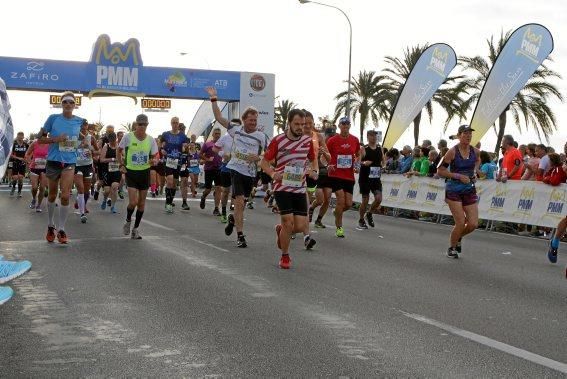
[531, 42]
[257, 82]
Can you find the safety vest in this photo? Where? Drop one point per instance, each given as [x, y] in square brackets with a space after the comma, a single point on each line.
[138, 153]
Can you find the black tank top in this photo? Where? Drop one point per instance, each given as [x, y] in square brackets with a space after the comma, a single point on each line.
[374, 155]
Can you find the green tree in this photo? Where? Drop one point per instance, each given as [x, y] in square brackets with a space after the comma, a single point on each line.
[530, 106]
[281, 112]
[448, 96]
[370, 98]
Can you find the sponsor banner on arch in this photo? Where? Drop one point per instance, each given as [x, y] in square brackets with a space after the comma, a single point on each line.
[520, 57]
[518, 201]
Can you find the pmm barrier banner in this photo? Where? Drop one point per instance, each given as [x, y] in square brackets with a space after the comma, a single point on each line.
[518, 201]
[520, 57]
[430, 71]
[6, 129]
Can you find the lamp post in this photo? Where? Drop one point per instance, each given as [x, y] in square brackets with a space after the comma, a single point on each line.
[349, 49]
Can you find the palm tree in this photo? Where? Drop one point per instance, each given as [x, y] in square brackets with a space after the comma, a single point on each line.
[370, 98]
[529, 105]
[448, 96]
[281, 112]
[128, 127]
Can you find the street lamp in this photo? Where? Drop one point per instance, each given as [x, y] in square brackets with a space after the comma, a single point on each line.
[349, 49]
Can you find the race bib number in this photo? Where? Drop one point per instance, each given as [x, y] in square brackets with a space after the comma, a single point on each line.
[113, 166]
[344, 161]
[241, 156]
[69, 146]
[375, 172]
[171, 163]
[139, 159]
[293, 176]
[83, 154]
[40, 163]
[193, 162]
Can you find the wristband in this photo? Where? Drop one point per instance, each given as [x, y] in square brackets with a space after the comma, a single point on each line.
[214, 99]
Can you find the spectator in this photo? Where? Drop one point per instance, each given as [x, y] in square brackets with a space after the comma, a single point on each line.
[543, 167]
[513, 162]
[406, 160]
[392, 161]
[420, 164]
[426, 143]
[442, 152]
[532, 163]
[556, 175]
[433, 162]
[487, 166]
[523, 150]
[441, 144]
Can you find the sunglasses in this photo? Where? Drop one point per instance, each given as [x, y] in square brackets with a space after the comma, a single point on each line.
[142, 123]
[67, 102]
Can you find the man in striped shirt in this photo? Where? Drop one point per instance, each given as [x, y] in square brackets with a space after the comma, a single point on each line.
[289, 153]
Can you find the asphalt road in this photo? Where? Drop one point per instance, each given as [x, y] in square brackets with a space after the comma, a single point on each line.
[185, 302]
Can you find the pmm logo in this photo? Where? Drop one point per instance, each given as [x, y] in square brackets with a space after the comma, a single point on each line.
[108, 56]
[526, 199]
[257, 82]
[556, 202]
[438, 61]
[531, 42]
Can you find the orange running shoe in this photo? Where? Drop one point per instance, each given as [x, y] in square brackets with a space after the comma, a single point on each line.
[62, 237]
[285, 262]
[50, 236]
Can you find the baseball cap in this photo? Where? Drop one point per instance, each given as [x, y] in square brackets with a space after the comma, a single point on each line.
[142, 119]
[465, 128]
[344, 120]
[372, 131]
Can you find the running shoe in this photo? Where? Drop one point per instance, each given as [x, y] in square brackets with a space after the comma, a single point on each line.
[552, 253]
[230, 226]
[202, 203]
[19, 193]
[241, 242]
[223, 219]
[135, 235]
[311, 210]
[113, 209]
[361, 225]
[38, 208]
[278, 231]
[6, 294]
[95, 196]
[103, 205]
[319, 224]
[32, 204]
[169, 208]
[126, 228]
[216, 212]
[185, 207]
[340, 233]
[309, 243]
[11, 270]
[62, 237]
[285, 262]
[369, 219]
[50, 236]
[452, 253]
[459, 246]
[83, 219]
[250, 205]
[12, 191]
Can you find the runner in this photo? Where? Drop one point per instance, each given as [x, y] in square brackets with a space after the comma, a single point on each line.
[345, 154]
[324, 188]
[554, 242]
[19, 163]
[184, 175]
[193, 166]
[37, 158]
[213, 163]
[157, 174]
[136, 150]
[369, 179]
[223, 147]
[247, 146]
[101, 142]
[172, 144]
[62, 132]
[289, 152]
[459, 166]
[84, 170]
[111, 174]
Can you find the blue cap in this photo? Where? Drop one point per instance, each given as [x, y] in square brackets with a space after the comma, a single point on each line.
[344, 120]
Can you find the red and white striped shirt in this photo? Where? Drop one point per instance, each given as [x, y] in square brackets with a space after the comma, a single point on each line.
[290, 157]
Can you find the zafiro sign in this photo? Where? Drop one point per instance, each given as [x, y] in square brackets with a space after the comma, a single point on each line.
[118, 69]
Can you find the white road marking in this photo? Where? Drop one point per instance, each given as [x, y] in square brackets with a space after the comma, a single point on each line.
[71, 241]
[520, 353]
[506, 253]
[156, 225]
[207, 244]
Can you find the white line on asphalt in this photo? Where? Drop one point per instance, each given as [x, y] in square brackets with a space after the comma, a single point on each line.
[156, 225]
[207, 244]
[71, 241]
[520, 353]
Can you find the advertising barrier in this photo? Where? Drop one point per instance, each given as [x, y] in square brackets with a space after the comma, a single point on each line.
[518, 201]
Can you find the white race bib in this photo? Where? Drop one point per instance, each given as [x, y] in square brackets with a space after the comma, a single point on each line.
[375, 172]
[344, 161]
[193, 162]
[69, 146]
[293, 176]
[171, 163]
[139, 159]
[40, 163]
[113, 166]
